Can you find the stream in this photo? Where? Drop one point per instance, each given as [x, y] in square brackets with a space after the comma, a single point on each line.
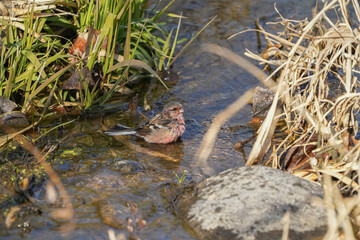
[102, 175]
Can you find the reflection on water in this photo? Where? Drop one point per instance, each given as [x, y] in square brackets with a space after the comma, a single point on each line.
[92, 164]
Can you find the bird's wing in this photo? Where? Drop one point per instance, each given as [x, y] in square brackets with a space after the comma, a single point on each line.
[162, 123]
[122, 127]
[119, 129]
[157, 117]
[153, 127]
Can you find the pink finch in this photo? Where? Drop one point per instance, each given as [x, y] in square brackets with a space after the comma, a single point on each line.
[164, 127]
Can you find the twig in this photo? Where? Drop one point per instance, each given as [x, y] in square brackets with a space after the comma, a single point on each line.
[242, 143]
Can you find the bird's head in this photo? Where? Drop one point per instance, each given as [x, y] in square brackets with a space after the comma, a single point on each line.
[174, 109]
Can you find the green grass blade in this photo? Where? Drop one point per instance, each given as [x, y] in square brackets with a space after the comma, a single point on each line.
[165, 50]
[137, 64]
[34, 60]
[128, 35]
[175, 39]
[191, 40]
[105, 31]
[46, 83]
[160, 13]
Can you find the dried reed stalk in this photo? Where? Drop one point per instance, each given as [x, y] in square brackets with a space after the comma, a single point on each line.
[208, 141]
[319, 64]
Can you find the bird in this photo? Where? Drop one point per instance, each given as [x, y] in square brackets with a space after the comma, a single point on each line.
[165, 127]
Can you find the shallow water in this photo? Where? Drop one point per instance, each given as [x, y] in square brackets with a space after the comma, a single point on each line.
[85, 161]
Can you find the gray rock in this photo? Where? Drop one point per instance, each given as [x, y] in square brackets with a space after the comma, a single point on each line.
[9, 117]
[6, 105]
[14, 119]
[249, 203]
[263, 98]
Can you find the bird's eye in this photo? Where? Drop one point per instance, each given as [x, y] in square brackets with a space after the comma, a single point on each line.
[174, 109]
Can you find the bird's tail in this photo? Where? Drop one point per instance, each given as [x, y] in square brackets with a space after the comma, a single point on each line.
[119, 129]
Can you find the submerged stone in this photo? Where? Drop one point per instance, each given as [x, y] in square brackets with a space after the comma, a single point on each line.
[113, 214]
[127, 167]
[250, 202]
[120, 214]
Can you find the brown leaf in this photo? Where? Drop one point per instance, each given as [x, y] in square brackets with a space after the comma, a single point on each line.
[297, 157]
[78, 47]
[93, 36]
[75, 81]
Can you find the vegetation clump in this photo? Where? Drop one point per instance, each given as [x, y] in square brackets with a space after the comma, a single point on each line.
[63, 55]
[314, 75]
[315, 64]
[316, 68]
[68, 57]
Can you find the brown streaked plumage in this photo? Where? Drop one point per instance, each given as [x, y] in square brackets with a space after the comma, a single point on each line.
[164, 127]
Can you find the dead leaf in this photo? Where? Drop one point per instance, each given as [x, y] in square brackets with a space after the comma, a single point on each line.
[75, 80]
[297, 157]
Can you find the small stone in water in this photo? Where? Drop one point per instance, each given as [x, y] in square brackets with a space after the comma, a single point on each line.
[262, 101]
[127, 167]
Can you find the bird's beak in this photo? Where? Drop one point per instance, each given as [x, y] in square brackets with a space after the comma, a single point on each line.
[181, 110]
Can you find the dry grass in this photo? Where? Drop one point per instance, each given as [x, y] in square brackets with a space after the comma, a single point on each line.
[316, 65]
